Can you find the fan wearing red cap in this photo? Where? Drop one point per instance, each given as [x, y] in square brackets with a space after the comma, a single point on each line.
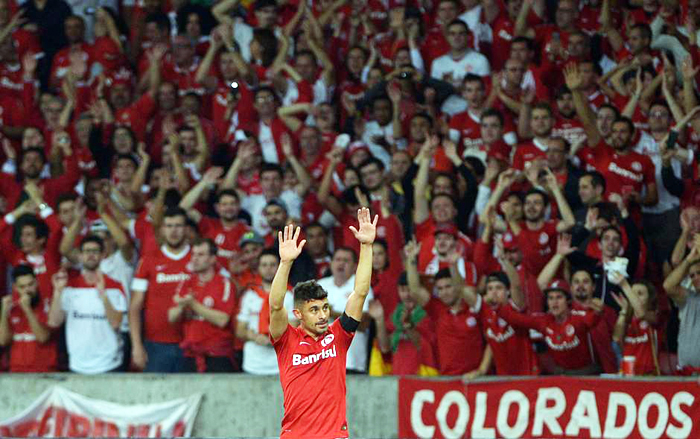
[566, 331]
[446, 243]
[459, 341]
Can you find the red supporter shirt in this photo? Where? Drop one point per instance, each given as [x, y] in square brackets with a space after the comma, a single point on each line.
[425, 234]
[460, 344]
[312, 374]
[569, 129]
[226, 238]
[507, 342]
[624, 173]
[601, 338]
[527, 152]
[538, 245]
[202, 337]
[641, 343]
[568, 342]
[137, 115]
[26, 353]
[160, 276]
[141, 229]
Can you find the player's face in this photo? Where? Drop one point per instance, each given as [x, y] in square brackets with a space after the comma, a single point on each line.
[556, 154]
[27, 284]
[32, 165]
[496, 293]
[611, 243]
[400, 162]
[586, 190]
[174, 230]
[604, 121]
[556, 303]
[534, 207]
[66, 212]
[267, 267]
[457, 36]
[514, 256]
[442, 185]
[419, 129]
[659, 118]
[446, 292]
[515, 70]
[228, 207]
[250, 253]
[379, 257]
[202, 260]
[565, 105]
[582, 286]
[444, 243]
[541, 122]
[314, 315]
[91, 255]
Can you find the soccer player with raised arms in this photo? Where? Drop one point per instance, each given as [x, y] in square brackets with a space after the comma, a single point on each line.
[311, 357]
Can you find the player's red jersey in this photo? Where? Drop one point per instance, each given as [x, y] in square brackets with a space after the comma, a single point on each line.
[568, 341]
[226, 238]
[537, 246]
[460, 344]
[141, 229]
[640, 342]
[312, 373]
[200, 336]
[160, 276]
[507, 343]
[26, 353]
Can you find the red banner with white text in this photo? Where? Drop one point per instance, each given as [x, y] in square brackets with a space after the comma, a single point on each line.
[552, 407]
[62, 413]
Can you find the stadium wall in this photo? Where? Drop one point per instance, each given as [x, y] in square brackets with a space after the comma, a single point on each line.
[233, 405]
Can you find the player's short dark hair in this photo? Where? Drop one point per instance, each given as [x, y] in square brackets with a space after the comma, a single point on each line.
[443, 273]
[307, 291]
[28, 220]
[645, 28]
[442, 195]
[129, 157]
[470, 77]
[585, 270]
[539, 192]
[459, 22]
[213, 249]
[227, 193]
[498, 276]
[597, 179]
[422, 115]
[94, 239]
[609, 228]
[610, 107]
[32, 150]
[22, 270]
[173, 211]
[607, 211]
[346, 249]
[529, 43]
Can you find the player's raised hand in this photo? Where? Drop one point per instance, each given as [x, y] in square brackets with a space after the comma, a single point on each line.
[368, 227]
[289, 250]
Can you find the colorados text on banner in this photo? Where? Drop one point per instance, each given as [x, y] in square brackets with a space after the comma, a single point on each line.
[558, 407]
[61, 413]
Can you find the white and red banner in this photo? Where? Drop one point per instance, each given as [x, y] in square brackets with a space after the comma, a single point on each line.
[61, 413]
[553, 407]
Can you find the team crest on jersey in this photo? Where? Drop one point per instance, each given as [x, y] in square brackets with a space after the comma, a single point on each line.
[220, 238]
[471, 321]
[327, 340]
[636, 166]
[208, 302]
[544, 238]
[569, 330]
[643, 324]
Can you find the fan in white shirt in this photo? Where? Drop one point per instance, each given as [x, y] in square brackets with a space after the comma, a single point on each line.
[460, 60]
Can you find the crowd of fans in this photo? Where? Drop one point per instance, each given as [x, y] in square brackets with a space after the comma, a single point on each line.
[533, 164]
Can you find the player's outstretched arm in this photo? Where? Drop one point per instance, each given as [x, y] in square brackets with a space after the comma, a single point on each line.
[363, 276]
[289, 251]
